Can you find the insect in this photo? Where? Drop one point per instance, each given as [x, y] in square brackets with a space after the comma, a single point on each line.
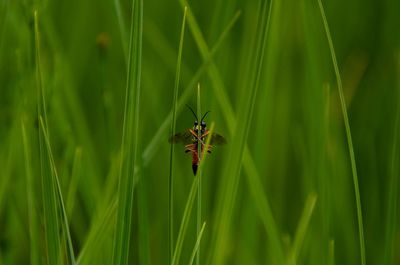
[193, 136]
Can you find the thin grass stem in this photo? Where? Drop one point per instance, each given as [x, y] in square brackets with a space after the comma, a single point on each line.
[302, 228]
[172, 132]
[197, 245]
[129, 144]
[348, 136]
[199, 147]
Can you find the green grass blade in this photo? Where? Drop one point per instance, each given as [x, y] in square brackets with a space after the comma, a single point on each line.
[348, 136]
[97, 234]
[70, 250]
[51, 222]
[144, 231]
[240, 137]
[302, 229]
[129, 145]
[33, 219]
[185, 221]
[171, 160]
[196, 248]
[49, 205]
[122, 27]
[199, 115]
[76, 168]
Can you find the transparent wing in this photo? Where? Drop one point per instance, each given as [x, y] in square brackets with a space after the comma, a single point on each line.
[182, 137]
[217, 139]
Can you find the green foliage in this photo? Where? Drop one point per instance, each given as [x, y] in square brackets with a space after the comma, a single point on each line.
[91, 91]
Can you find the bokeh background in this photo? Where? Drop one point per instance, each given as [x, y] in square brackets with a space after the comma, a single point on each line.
[300, 163]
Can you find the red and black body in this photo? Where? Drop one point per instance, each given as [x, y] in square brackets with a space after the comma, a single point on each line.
[191, 138]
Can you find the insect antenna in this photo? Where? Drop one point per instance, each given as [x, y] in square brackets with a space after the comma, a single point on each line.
[192, 112]
[205, 114]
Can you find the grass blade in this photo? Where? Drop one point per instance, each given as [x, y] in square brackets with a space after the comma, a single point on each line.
[348, 136]
[76, 168]
[121, 25]
[144, 231]
[51, 191]
[227, 201]
[196, 248]
[185, 221]
[129, 145]
[98, 231]
[302, 228]
[70, 250]
[199, 115]
[51, 222]
[171, 161]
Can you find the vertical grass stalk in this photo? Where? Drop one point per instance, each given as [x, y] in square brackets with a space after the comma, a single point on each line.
[302, 229]
[233, 172]
[129, 144]
[199, 147]
[69, 248]
[348, 136]
[185, 221]
[172, 132]
[197, 245]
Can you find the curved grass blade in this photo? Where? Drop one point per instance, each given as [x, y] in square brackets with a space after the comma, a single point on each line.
[97, 234]
[185, 221]
[70, 250]
[171, 159]
[348, 135]
[302, 228]
[196, 248]
[129, 145]
[51, 222]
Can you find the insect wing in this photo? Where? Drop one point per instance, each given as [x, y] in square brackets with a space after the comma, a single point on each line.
[182, 137]
[217, 139]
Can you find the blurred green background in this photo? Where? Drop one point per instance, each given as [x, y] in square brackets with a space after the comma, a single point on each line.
[297, 139]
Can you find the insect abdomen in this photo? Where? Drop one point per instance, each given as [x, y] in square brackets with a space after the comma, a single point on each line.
[195, 162]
